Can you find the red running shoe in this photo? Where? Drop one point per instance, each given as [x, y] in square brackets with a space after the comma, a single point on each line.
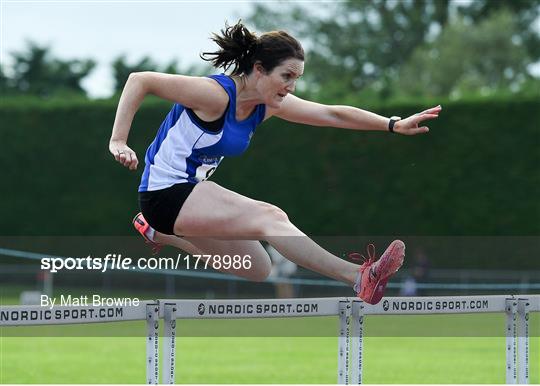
[142, 226]
[375, 274]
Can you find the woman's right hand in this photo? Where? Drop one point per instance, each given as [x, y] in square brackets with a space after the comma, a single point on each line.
[123, 154]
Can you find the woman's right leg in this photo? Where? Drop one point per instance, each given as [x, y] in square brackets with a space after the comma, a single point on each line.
[212, 211]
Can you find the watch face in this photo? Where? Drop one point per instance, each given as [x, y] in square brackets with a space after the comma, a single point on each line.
[395, 118]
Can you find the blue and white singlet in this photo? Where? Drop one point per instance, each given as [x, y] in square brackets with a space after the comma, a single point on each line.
[183, 151]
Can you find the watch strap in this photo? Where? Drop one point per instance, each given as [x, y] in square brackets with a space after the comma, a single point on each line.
[392, 122]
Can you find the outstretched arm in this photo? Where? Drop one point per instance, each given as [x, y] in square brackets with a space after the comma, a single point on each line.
[299, 110]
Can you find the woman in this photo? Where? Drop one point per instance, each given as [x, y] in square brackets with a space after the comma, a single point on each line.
[215, 117]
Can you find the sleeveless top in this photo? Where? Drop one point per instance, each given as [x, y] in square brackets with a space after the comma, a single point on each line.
[185, 152]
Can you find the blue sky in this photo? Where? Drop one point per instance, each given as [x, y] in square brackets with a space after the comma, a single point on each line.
[102, 30]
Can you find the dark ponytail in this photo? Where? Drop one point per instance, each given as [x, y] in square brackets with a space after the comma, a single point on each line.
[237, 46]
[241, 49]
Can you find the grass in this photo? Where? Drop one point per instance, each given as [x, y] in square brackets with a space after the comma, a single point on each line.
[257, 360]
[253, 359]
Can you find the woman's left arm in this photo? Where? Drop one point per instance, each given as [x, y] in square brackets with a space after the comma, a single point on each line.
[299, 110]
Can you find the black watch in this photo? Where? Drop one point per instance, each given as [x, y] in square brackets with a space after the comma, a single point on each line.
[392, 122]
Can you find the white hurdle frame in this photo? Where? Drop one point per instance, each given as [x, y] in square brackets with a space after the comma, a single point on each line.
[14, 316]
[517, 309]
[260, 308]
[344, 341]
[350, 313]
[152, 344]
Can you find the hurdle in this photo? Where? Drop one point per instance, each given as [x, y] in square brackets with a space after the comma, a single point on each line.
[517, 309]
[351, 315]
[148, 310]
[350, 312]
[174, 309]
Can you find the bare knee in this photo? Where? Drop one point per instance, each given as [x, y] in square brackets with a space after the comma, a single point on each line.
[272, 221]
[273, 213]
[261, 273]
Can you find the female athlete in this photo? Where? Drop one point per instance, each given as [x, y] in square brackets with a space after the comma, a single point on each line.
[216, 116]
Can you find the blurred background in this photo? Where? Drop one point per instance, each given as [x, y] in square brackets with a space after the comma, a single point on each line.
[464, 197]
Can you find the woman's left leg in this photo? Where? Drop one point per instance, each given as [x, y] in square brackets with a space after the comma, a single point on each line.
[244, 258]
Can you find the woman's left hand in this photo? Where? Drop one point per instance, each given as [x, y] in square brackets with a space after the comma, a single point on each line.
[411, 125]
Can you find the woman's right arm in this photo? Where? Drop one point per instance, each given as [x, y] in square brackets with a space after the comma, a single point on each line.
[197, 93]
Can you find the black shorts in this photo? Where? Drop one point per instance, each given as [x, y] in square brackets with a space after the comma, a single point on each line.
[161, 207]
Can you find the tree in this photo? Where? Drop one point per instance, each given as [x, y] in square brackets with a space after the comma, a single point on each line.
[36, 72]
[361, 46]
[469, 58]
[525, 11]
[5, 87]
[355, 43]
[121, 69]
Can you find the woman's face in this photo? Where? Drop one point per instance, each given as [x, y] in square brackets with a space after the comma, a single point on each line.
[275, 85]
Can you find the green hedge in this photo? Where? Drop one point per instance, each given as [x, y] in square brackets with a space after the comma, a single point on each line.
[475, 173]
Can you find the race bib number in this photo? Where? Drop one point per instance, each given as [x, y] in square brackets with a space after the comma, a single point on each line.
[204, 172]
